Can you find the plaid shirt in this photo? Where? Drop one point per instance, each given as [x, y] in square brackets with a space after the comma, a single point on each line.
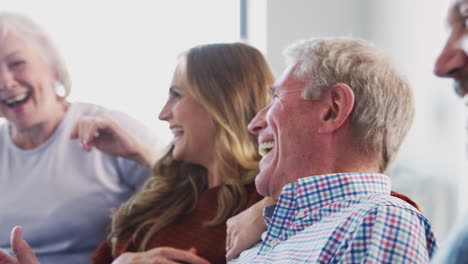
[342, 218]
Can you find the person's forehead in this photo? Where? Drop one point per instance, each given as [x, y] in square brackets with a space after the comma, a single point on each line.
[11, 44]
[457, 9]
[287, 80]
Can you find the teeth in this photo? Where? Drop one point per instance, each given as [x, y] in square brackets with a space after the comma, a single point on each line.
[16, 99]
[265, 147]
[177, 131]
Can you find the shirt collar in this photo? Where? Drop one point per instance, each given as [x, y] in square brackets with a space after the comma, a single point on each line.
[311, 193]
[318, 191]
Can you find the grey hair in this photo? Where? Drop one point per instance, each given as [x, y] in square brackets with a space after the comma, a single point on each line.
[383, 108]
[23, 27]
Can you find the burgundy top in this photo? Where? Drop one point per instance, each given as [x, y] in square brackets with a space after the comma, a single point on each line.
[186, 232]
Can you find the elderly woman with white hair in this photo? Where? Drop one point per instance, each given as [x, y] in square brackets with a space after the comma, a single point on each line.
[58, 188]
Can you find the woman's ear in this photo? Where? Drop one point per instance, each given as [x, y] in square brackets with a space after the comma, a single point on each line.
[339, 102]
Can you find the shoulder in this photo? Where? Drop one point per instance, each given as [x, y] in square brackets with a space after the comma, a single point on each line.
[389, 220]
[389, 224]
[393, 221]
[86, 109]
[386, 201]
[391, 208]
[80, 109]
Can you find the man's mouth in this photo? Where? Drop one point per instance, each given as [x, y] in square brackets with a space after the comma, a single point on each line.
[266, 147]
[16, 100]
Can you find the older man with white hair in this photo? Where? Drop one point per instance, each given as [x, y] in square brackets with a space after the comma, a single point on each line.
[339, 115]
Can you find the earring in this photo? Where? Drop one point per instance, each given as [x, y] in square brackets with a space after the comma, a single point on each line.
[59, 89]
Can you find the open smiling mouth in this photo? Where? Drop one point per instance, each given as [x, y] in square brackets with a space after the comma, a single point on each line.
[266, 147]
[177, 131]
[17, 100]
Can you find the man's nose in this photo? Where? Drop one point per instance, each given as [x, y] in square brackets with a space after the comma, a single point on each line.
[451, 60]
[258, 123]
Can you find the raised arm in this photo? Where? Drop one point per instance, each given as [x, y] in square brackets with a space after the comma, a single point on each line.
[106, 135]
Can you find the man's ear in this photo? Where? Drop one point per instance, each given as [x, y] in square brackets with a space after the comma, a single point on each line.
[339, 102]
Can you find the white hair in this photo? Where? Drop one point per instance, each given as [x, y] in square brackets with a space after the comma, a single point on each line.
[383, 109]
[23, 27]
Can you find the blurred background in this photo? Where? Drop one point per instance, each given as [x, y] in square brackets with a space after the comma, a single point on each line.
[121, 54]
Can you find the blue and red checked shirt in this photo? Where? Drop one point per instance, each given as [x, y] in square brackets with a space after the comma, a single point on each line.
[342, 218]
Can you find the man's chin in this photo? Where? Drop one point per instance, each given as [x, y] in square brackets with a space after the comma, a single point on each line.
[261, 184]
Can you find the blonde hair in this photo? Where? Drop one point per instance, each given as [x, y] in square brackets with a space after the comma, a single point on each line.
[23, 27]
[231, 81]
[383, 111]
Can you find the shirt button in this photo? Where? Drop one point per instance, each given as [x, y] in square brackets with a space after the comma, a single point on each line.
[273, 243]
[301, 214]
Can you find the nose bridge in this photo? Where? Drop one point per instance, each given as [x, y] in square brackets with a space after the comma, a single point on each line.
[258, 123]
[165, 112]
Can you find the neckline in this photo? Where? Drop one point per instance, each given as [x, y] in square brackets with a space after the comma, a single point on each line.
[55, 134]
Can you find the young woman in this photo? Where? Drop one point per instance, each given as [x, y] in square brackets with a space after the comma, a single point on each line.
[207, 174]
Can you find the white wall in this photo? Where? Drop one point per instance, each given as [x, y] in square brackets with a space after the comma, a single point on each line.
[121, 54]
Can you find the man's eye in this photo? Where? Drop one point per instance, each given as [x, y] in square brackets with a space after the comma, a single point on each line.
[16, 64]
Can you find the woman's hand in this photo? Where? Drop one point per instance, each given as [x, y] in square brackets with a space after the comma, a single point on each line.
[106, 135]
[163, 255]
[23, 252]
[245, 229]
